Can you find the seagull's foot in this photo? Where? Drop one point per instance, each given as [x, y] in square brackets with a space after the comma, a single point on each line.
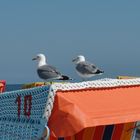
[48, 83]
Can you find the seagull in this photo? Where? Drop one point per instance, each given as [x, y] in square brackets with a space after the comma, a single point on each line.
[46, 71]
[86, 69]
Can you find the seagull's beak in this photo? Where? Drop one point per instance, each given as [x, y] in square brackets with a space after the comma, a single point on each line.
[34, 58]
[74, 60]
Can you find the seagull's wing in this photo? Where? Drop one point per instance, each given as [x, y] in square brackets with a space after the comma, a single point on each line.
[86, 68]
[49, 69]
[48, 72]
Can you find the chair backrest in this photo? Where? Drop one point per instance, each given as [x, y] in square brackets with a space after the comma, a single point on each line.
[21, 113]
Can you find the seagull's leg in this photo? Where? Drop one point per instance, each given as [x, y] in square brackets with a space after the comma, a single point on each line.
[48, 82]
[45, 83]
[52, 81]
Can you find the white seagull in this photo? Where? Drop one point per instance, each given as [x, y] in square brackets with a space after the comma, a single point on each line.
[46, 71]
[85, 69]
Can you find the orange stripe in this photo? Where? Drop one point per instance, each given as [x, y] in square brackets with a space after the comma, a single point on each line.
[1, 89]
[118, 129]
[88, 133]
[98, 134]
[127, 131]
[73, 138]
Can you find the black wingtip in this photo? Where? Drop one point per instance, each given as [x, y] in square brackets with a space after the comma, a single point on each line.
[99, 71]
[64, 77]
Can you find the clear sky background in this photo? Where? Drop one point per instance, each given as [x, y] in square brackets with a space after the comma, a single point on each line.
[106, 32]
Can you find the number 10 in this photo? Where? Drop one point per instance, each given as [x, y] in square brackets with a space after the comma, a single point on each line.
[27, 105]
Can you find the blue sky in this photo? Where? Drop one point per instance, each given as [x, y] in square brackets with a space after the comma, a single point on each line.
[106, 32]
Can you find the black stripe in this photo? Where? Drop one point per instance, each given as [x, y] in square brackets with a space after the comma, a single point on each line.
[108, 132]
[60, 138]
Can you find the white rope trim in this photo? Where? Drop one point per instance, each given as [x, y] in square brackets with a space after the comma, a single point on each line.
[49, 105]
[48, 132]
[102, 83]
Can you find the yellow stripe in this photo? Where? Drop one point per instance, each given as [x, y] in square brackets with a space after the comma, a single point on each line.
[31, 85]
[72, 137]
[126, 77]
[88, 133]
[127, 131]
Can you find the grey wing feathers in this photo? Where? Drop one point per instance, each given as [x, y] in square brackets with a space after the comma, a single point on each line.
[47, 72]
[86, 68]
[49, 68]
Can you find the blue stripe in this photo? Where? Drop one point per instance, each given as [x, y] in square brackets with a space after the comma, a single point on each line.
[108, 132]
[60, 138]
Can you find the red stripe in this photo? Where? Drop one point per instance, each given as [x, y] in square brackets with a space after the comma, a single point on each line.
[117, 132]
[98, 134]
[67, 138]
[52, 138]
[79, 135]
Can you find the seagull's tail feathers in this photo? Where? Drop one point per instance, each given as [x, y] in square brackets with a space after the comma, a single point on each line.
[64, 77]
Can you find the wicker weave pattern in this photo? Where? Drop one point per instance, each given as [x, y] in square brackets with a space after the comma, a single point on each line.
[14, 127]
[102, 83]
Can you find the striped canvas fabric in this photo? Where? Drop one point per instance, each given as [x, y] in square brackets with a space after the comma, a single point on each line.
[36, 84]
[31, 85]
[109, 132]
[2, 86]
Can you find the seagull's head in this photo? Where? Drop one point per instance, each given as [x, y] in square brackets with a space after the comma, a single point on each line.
[41, 59]
[78, 59]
